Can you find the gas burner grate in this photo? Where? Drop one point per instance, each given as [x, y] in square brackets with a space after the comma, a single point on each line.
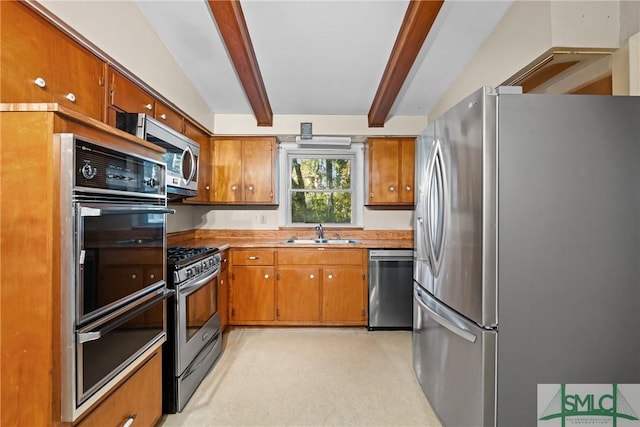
[180, 255]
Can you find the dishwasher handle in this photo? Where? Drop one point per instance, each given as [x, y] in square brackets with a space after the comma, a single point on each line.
[391, 255]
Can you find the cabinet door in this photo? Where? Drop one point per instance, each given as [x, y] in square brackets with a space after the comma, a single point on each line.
[257, 165]
[125, 95]
[79, 82]
[168, 116]
[407, 173]
[26, 54]
[343, 295]
[298, 290]
[252, 294]
[227, 170]
[384, 170]
[205, 173]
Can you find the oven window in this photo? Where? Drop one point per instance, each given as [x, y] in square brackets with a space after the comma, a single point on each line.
[119, 343]
[201, 306]
[123, 258]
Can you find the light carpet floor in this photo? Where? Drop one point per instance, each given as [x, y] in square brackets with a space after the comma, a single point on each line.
[310, 377]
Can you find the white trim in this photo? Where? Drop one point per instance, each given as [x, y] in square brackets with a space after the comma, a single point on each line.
[356, 150]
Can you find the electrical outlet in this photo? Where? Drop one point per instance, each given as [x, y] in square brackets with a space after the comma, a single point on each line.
[263, 219]
[256, 219]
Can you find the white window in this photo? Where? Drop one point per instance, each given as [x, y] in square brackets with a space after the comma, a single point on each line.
[321, 186]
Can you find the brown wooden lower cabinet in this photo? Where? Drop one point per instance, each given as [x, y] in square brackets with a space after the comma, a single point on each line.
[139, 397]
[311, 287]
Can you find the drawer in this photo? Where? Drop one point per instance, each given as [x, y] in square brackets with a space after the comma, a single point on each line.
[321, 256]
[128, 401]
[252, 257]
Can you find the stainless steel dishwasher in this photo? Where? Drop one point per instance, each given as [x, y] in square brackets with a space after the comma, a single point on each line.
[390, 289]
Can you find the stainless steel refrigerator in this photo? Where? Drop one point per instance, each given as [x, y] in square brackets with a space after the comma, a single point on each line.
[527, 260]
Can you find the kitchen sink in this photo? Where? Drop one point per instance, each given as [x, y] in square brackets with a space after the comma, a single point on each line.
[322, 241]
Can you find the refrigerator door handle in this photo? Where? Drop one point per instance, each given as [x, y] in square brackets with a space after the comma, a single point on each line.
[444, 319]
[435, 207]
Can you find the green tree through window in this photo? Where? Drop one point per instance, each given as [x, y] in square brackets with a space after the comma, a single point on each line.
[321, 190]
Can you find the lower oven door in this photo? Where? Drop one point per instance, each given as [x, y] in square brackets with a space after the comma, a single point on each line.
[198, 319]
[110, 348]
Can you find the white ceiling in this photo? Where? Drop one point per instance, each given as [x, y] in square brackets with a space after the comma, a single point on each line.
[322, 57]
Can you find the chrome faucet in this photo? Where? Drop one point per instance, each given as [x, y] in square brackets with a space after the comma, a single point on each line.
[320, 231]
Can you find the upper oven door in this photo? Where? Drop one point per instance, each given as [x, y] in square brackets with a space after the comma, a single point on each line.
[120, 255]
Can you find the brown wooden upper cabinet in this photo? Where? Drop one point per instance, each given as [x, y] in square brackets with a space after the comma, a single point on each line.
[391, 171]
[126, 96]
[243, 170]
[41, 64]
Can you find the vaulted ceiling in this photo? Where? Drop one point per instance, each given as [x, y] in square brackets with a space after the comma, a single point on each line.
[317, 57]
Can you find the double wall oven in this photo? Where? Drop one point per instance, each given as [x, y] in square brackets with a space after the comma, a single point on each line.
[113, 223]
[194, 341]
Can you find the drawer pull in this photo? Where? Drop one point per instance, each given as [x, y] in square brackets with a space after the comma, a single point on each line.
[149, 107]
[253, 258]
[163, 116]
[40, 82]
[129, 421]
[266, 276]
[330, 276]
[311, 276]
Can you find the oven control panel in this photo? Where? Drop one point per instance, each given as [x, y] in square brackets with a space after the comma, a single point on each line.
[198, 269]
[103, 168]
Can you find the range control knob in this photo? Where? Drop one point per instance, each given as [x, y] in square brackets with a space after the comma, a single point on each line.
[88, 171]
[152, 182]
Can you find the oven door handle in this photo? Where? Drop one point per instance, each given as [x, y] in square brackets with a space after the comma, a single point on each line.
[197, 284]
[91, 334]
[92, 211]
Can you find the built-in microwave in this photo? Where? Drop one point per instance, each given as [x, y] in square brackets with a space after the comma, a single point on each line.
[182, 153]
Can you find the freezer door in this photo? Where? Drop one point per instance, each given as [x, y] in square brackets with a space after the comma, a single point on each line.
[460, 189]
[454, 362]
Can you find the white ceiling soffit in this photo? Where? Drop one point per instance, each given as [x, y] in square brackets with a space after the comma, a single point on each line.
[322, 57]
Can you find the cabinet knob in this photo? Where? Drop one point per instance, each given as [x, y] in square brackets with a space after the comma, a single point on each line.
[408, 188]
[149, 107]
[163, 116]
[392, 188]
[133, 276]
[251, 188]
[330, 276]
[129, 421]
[311, 276]
[234, 187]
[152, 276]
[266, 276]
[70, 97]
[206, 188]
[40, 82]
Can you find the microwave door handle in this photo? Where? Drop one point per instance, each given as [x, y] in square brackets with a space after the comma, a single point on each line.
[193, 164]
[91, 211]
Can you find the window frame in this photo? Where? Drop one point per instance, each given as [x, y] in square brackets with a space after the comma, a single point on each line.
[355, 152]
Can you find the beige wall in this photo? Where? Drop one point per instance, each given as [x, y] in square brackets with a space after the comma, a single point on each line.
[531, 28]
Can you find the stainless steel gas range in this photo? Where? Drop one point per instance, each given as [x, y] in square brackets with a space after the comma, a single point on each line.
[194, 338]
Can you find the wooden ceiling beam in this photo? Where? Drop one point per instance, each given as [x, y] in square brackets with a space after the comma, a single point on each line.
[233, 28]
[417, 23]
